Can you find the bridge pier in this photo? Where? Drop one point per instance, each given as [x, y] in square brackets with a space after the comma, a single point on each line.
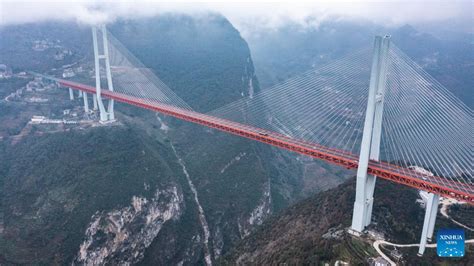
[370, 146]
[433, 217]
[94, 102]
[105, 114]
[86, 102]
[71, 94]
[431, 210]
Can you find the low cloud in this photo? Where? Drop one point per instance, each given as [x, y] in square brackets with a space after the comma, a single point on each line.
[243, 14]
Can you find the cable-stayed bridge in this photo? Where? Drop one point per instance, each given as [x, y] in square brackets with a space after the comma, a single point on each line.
[374, 110]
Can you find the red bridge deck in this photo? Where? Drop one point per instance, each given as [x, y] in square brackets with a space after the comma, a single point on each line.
[408, 177]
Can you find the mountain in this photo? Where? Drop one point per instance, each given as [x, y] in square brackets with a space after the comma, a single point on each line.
[239, 182]
[293, 48]
[197, 192]
[149, 189]
[33, 46]
[55, 184]
[313, 231]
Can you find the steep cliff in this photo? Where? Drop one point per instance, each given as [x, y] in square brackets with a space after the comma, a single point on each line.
[150, 189]
[313, 231]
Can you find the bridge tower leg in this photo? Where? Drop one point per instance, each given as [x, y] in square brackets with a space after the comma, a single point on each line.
[94, 101]
[370, 146]
[105, 115]
[71, 94]
[431, 210]
[433, 217]
[86, 102]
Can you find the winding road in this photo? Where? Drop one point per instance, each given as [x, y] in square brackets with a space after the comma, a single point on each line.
[445, 203]
[377, 244]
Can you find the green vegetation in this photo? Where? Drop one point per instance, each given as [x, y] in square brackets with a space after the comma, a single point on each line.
[295, 236]
[46, 209]
[207, 63]
[204, 60]
[463, 213]
[10, 85]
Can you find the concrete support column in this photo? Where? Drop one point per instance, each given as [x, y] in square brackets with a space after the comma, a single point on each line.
[110, 85]
[370, 146]
[86, 102]
[431, 209]
[71, 94]
[94, 101]
[102, 113]
[433, 218]
[105, 114]
[377, 130]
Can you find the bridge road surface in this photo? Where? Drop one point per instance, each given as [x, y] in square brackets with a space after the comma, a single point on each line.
[438, 185]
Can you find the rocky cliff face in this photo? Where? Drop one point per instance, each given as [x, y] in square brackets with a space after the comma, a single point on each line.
[96, 196]
[207, 63]
[313, 231]
[121, 236]
[151, 190]
[103, 195]
[258, 215]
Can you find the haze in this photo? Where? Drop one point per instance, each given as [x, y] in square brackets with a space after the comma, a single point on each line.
[244, 13]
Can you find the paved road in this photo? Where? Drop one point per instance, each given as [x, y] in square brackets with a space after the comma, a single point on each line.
[377, 244]
[445, 203]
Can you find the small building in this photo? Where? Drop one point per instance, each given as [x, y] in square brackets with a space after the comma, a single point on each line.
[79, 69]
[396, 254]
[68, 73]
[50, 86]
[379, 261]
[5, 71]
[40, 45]
[35, 99]
[34, 85]
[37, 119]
[58, 56]
[375, 234]
[61, 54]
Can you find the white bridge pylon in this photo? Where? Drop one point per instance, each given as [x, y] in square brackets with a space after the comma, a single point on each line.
[370, 150]
[105, 114]
[370, 146]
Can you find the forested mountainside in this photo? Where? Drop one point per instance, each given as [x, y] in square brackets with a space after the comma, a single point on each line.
[57, 185]
[32, 47]
[239, 182]
[293, 48]
[152, 190]
[93, 199]
[312, 232]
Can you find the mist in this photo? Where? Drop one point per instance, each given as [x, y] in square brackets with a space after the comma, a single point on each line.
[247, 16]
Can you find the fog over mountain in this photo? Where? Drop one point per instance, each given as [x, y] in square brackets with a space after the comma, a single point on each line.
[246, 15]
[149, 189]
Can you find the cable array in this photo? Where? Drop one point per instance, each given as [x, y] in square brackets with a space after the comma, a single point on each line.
[324, 105]
[131, 77]
[425, 125]
[424, 128]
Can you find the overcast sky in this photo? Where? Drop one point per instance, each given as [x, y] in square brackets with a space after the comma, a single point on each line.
[243, 13]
